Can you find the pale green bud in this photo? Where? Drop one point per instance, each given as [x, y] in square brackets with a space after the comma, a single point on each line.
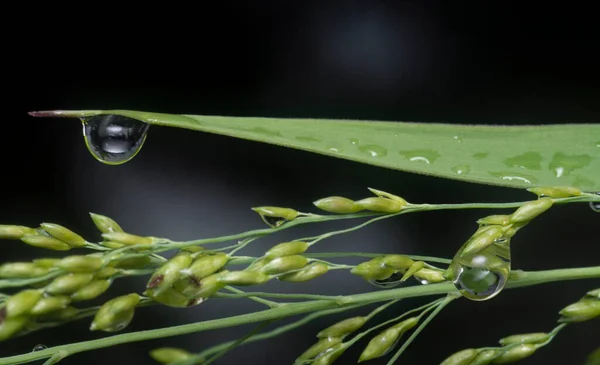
[210, 285]
[80, 263]
[429, 275]
[594, 293]
[46, 242]
[330, 355]
[416, 266]
[556, 192]
[113, 245]
[463, 357]
[322, 345]
[374, 269]
[49, 304]
[243, 278]
[284, 264]
[14, 270]
[105, 224]
[11, 326]
[343, 328]
[105, 272]
[132, 262]
[91, 290]
[69, 283]
[9, 232]
[20, 303]
[287, 249]
[393, 197]
[167, 355]
[530, 210]
[66, 235]
[115, 314]
[381, 205]
[515, 354]
[385, 341]
[525, 338]
[276, 216]
[206, 265]
[127, 239]
[60, 315]
[397, 262]
[337, 204]
[258, 264]
[169, 297]
[46, 262]
[309, 272]
[484, 357]
[482, 240]
[580, 311]
[169, 272]
[495, 220]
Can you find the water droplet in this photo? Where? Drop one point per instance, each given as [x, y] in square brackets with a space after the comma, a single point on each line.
[335, 149]
[354, 141]
[114, 139]
[563, 164]
[307, 139]
[39, 347]
[461, 169]
[511, 176]
[595, 206]
[373, 150]
[529, 160]
[273, 221]
[482, 275]
[480, 155]
[424, 156]
[457, 139]
[390, 282]
[598, 144]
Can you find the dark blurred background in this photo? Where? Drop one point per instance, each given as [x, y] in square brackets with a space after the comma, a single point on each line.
[376, 60]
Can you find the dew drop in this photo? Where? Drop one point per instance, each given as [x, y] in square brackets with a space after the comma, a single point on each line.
[114, 139]
[461, 169]
[354, 141]
[39, 347]
[423, 156]
[480, 155]
[595, 206]
[528, 160]
[457, 139]
[390, 282]
[335, 149]
[373, 150]
[482, 275]
[563, 164]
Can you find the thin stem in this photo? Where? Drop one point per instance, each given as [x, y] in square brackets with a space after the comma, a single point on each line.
[244, 260]
[266, 302]
[279, 295]
[524, 279]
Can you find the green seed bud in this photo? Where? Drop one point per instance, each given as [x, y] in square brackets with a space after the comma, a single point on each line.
[169, 272]
[594, 358]
[383, 194]
[91, 290]
[258, 264]
[381, 205]
[494, 220]
[343, 328]
[169, 297]
[309, 272]
[583, 310]
[193, 249]
[66, 235]
[594, 293]
[8, 232]
[463, 357]
[430, 276]
[515, 354]
[337, 204]
[530, 210]
[46, 263]
[287, 249]
[416, 266]
[167, 355]
[556, 192]
[397, 262]
[105, 224]
[49, 304]
[385, 341]
[243, 278]
[46, 242]
[113, 245]
[20, 303]
[207, 265]
[105, 272]
[14, 270]
[330, 355]
[484, 357]
[60, 315]
[482, 240]
[115, 314]
[80, 263]
[316, 349]
[127, 239]
[284, 264]
[525, 338]
[132, 262]
[69, 283]
[210, 285]
[11, 326]
[275, 216]
[374, 269]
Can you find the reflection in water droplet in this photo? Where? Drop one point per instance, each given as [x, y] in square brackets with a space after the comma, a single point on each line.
[373, 150]
[511, 176]
[114, 139]
[457, 139]
[563, 164]
[307, 139]
[354, 141]
[480, 155]
[482, 275]
[461, 169]
[390, 282]
[39, 347]
[529, 160]
[595, 206]
[424, 156]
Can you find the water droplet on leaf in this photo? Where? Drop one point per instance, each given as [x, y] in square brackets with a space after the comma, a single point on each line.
[39, 347]
[373, 150]
[114, 139]
[480, 155]
[595, 206]
[424, 156]
[390, 282]
[529, 161]
[461, 169]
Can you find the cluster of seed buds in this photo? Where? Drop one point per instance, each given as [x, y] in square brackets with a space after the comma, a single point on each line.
[382, 203]
[49, 236]
[585, 309]
[330, 346]
[115, 314]
[384, 267]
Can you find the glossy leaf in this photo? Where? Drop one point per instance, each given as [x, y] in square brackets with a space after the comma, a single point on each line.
[523, 156]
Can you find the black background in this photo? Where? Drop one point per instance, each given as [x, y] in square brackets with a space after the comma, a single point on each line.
[377, 60]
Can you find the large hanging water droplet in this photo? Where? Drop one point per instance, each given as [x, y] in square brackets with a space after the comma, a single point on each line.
[39, 347]
[483, 274]
[390, 282]
[114, 139]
